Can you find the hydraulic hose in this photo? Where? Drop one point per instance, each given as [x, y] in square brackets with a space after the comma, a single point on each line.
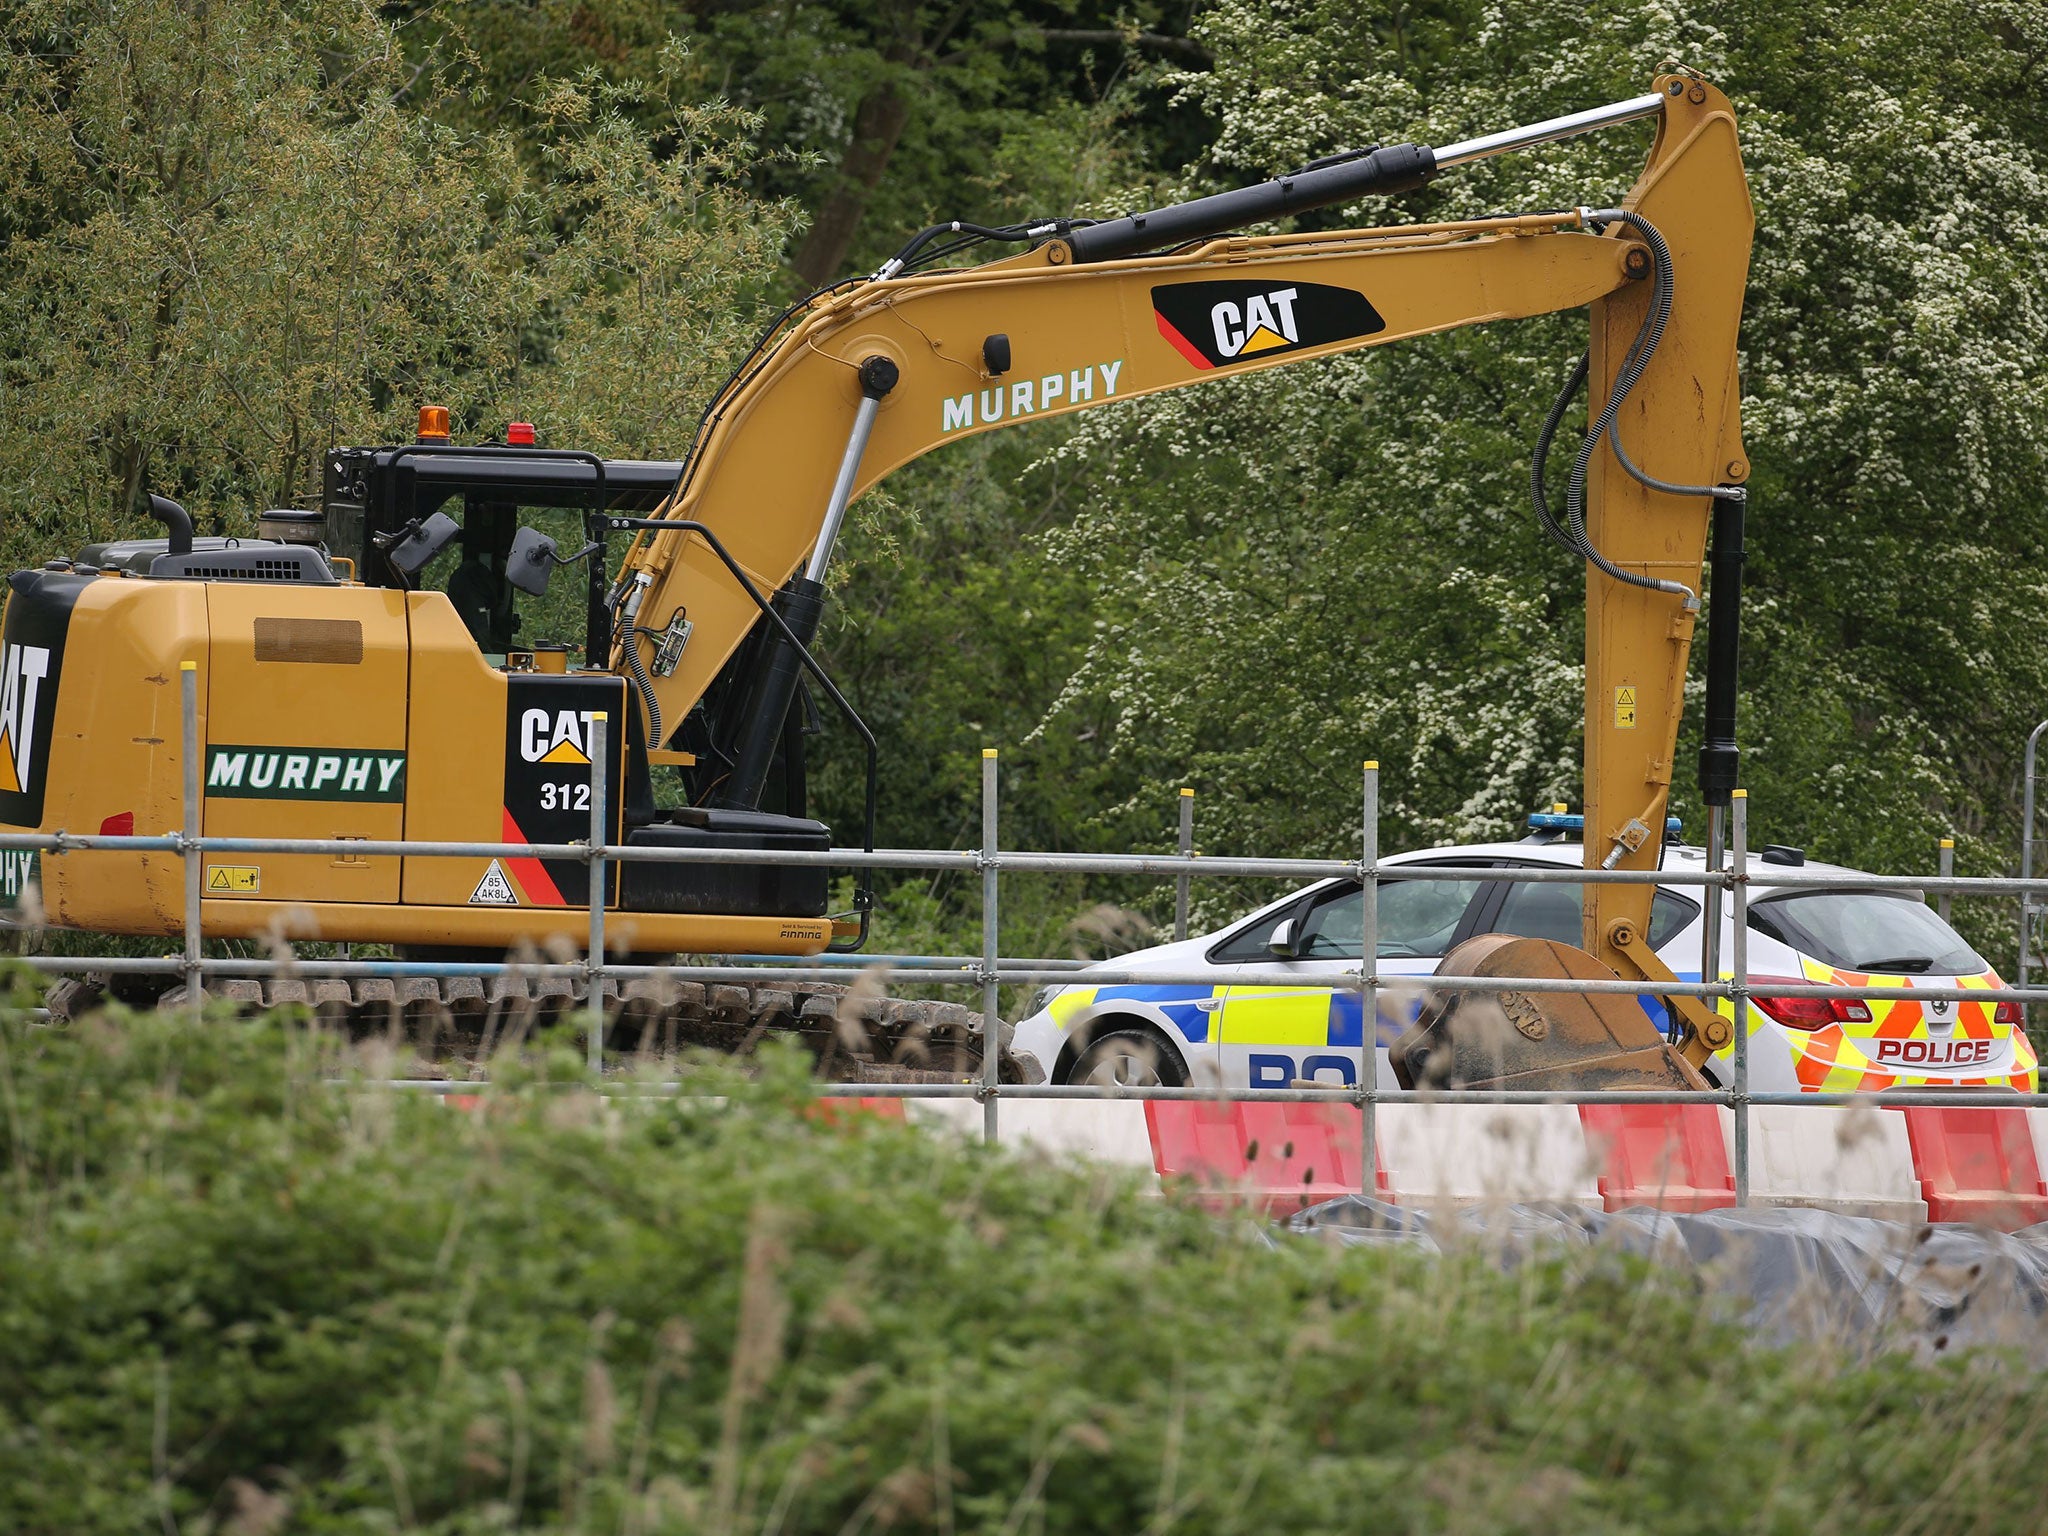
[645, 684]
[1538, 489]
[1571, 534]
[1637, 361]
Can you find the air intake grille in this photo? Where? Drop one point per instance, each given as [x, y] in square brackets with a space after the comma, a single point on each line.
[333, 642]
[248, 570]
[232, 560]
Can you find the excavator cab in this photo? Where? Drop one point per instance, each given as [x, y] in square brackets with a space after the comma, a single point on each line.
[531, 522]
[372, 495]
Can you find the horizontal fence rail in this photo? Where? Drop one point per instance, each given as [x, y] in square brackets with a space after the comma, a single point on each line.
[1740, 880]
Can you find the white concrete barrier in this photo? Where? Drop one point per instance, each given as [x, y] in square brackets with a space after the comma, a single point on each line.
[1854, 1158]
[1859, 1159]
[1107, 1133]
[1473, 1152]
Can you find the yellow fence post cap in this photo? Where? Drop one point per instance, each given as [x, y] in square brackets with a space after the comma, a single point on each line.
[188, 666]
[1948, 842]
[988, 751]
[1372, 765]
[1187, 794]
[1740, 794]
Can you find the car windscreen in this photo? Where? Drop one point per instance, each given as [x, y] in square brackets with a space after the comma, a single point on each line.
[1867, 931]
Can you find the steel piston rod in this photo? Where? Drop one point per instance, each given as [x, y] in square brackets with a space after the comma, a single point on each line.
[1390, 169]
[1549, 130]
[753, 732]
[842, 483]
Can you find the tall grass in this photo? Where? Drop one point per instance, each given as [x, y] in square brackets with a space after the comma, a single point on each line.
[243, 1290]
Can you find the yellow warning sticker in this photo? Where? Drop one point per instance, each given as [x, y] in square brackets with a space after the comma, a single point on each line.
[1625, 707]
[234, 879]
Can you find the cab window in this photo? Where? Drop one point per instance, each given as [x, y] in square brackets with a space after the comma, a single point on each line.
[471, 571]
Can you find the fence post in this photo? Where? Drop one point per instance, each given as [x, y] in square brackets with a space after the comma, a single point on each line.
[2027, 862]
[1738, 990]
[1368, 988]
[195, 863]
[1713, 898]
[1183, 879]
[594, 960]
[991, 1015]
[1948, 867]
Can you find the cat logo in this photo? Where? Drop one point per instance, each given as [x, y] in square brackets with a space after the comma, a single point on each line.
[1268, 322]
[1212, 324]
[556, 735]
[22, 671]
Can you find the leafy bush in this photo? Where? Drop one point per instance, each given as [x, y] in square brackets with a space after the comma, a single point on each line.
[241, 1292]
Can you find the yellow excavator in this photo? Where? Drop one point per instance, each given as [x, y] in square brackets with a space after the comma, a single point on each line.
[363, 675]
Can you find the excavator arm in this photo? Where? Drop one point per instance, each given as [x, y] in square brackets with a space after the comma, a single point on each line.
[873, 374]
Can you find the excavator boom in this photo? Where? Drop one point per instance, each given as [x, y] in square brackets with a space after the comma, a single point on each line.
[910, 362]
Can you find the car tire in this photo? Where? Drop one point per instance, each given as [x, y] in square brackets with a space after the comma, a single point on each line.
[1129, 1058]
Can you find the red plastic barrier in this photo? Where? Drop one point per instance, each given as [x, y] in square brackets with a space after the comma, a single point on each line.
[1280, 1156]
[1670, 1156]
[1977, 1165]
[843, 1111]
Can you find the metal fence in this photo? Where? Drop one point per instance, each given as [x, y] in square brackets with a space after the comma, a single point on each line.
[1730, 879]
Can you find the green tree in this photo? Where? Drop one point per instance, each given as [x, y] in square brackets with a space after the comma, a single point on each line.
[232, 234]
[900, 113]
[1337, 561]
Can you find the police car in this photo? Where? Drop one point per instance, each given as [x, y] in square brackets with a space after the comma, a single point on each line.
[1255, 1034]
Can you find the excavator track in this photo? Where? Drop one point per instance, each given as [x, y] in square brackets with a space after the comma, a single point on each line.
[453, 1024]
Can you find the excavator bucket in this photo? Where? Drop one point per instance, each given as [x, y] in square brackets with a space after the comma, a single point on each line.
[1539, 1041]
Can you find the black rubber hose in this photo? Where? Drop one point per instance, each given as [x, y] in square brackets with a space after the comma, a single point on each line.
[644, 683]
[1633, 365]
[1572, 535]
[1660, 257]
[1539, 490]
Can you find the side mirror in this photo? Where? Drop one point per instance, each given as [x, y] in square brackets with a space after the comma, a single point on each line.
[532, 561]
[1282, 943]
[422, 541]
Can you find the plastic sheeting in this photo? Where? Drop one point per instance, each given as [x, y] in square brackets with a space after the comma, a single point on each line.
[1793, 1274]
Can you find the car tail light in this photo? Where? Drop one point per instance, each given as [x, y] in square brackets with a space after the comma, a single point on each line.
[1806, 1012]
[2008, 1013]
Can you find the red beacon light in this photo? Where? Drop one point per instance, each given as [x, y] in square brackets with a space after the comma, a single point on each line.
[519, 434]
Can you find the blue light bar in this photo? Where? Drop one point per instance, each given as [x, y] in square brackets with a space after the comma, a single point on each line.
[1559, 821]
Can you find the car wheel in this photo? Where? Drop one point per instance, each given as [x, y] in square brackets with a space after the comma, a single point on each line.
[1129, 1058]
